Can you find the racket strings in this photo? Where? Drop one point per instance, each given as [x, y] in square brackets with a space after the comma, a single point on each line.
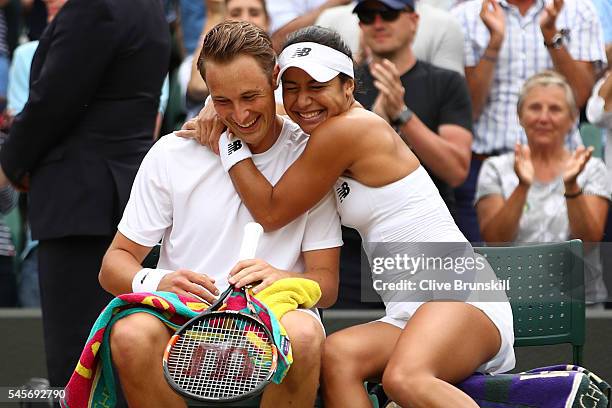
[221, 356]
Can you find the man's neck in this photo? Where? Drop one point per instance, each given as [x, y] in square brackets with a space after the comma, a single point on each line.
[403, 60]
[522, 5]
[271, 137]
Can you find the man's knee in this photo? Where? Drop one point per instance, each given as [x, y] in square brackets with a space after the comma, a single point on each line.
[136, 338]
[306, 334]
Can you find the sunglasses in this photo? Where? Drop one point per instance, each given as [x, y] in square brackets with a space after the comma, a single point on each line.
[367, 16]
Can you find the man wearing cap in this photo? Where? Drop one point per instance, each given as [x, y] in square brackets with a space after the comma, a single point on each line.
[428, 106]
[438, 40]
[183, 196]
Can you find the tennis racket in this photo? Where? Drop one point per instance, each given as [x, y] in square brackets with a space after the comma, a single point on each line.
[222, 355]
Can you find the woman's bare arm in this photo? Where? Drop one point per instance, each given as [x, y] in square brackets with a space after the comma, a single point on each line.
[331, 149]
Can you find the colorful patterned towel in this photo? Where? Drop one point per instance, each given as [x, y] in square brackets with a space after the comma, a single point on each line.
[561, 386]
[92, 384]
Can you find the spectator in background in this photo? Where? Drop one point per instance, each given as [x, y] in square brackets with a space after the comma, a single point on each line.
[543, 192]
[35, 18]
[599, 113]
[599, 110]
[428, 106]
[192, 19]
[17, 96]
[438, 39]
[286, 16]
[506, 42]
[76, 146]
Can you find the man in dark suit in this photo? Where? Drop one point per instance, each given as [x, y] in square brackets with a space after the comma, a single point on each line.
[76, 146]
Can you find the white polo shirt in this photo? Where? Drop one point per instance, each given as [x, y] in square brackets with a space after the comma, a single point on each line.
[182, 195]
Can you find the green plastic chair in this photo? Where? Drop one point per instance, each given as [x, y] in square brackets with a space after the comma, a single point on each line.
[592, 136]
[546, 292]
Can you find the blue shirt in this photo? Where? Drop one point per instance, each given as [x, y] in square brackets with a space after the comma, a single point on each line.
[604, 10]
[193, 17]
[19, 77]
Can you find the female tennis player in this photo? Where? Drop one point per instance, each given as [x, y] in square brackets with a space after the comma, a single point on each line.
[419, 348]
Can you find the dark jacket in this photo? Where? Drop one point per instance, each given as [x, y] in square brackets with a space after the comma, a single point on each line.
[94, 91]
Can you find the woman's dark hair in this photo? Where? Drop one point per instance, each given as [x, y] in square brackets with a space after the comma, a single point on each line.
[324, 36]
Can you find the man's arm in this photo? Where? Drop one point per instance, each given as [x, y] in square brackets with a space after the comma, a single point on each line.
[122, 262]
[579, 74]
[480, 76]
[323, 266]
[447, 154]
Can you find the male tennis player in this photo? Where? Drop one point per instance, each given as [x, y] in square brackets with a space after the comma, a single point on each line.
[182, 196]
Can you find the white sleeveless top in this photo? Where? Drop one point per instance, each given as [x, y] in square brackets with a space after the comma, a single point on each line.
[408, 210]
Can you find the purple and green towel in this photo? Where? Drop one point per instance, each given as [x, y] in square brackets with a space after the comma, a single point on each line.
[92, 384]
[561, 386]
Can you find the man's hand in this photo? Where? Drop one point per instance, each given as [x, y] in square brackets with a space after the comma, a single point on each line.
[253, 271]
[492, 15]
[185, 282]
[387, 81]
[523, 167]
[206, 128]
[549, 19]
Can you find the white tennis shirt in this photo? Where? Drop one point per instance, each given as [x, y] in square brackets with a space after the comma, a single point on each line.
[183, 196]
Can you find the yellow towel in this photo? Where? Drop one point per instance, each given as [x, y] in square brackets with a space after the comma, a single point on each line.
[288, 294]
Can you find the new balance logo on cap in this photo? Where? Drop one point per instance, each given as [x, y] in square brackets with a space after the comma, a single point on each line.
[301, 52]
[343, 191]
[234, 146]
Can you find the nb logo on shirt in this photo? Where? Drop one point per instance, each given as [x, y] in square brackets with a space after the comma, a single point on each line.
[234, 146]
[343, 191]
[301, 52]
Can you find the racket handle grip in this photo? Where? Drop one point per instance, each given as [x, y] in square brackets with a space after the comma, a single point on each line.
[250, 239]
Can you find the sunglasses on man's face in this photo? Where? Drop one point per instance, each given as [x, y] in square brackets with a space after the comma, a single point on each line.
[367, 16]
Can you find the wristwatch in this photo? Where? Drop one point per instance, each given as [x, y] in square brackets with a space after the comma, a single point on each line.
[400, 120]
[557, 41]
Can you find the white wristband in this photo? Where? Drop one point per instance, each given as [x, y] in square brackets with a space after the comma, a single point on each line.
[232, 151]
[147, 279]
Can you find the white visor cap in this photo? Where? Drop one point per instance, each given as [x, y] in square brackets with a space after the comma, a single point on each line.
[321, 62]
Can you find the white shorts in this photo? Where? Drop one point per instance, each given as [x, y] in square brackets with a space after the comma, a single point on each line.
[500, 314]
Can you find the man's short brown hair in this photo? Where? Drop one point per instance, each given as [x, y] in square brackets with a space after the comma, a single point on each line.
[231, 39]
